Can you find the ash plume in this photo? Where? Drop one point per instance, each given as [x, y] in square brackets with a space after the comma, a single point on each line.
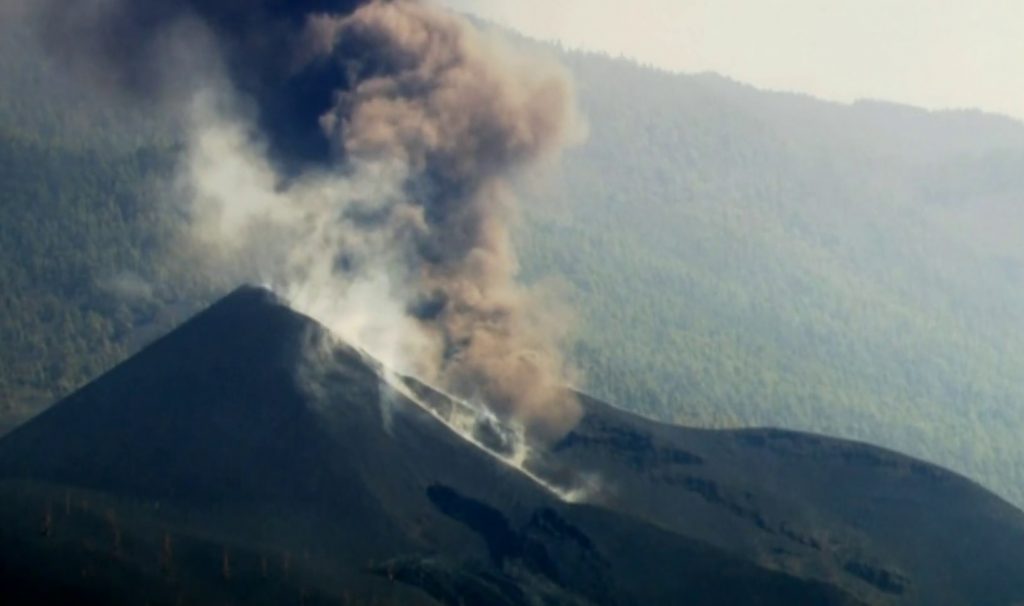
[459, 116]
[356, 155]
[159, 52]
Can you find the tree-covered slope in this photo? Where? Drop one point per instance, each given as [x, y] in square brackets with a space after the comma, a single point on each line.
[85, 231]
[749, 258]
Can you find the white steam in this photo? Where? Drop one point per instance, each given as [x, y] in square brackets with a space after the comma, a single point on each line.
[402, 246]
[247, 223]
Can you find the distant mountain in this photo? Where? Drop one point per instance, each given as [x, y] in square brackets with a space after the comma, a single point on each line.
[746, 258]
[250, 457]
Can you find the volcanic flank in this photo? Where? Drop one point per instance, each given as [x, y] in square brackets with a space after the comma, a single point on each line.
[228, 418]
[250, 456]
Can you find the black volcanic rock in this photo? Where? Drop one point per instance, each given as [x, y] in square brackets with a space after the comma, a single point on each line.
[213, 411]
[250, 457]
[883, 526]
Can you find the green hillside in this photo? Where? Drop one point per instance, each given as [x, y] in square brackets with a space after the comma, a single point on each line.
[84, 245]
[748, 258]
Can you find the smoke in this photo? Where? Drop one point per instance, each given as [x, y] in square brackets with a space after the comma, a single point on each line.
[158, 52]
[459, 114]
[357, 158]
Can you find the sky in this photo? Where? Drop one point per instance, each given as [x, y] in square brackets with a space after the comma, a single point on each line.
[937, 54]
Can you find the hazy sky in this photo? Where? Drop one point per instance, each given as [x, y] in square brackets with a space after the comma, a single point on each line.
[932, 53]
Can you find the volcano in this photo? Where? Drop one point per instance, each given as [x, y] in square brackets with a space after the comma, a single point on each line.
[251, 457]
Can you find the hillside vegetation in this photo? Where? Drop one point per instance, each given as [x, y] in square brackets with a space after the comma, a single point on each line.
[738, 257]
[750, 258]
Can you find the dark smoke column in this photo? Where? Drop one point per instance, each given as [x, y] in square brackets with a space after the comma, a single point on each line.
[460, 113]
[336, 86]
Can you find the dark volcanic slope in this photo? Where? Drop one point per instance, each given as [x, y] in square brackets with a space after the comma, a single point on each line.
[211, 411]
[247, 458]
[885, 527]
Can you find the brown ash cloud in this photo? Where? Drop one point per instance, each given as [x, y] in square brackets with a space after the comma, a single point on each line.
[361, 143]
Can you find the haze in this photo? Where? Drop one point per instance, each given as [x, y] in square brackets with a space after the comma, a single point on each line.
[937, 54]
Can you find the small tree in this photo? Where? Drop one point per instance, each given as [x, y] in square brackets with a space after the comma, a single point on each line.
[167, 555]
[46, 528]
[115, 531]
[225, 564]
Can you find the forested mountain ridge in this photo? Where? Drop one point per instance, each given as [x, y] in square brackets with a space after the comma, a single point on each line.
[745, 257]
[84, 219]
[738, 257]
[77, 234]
